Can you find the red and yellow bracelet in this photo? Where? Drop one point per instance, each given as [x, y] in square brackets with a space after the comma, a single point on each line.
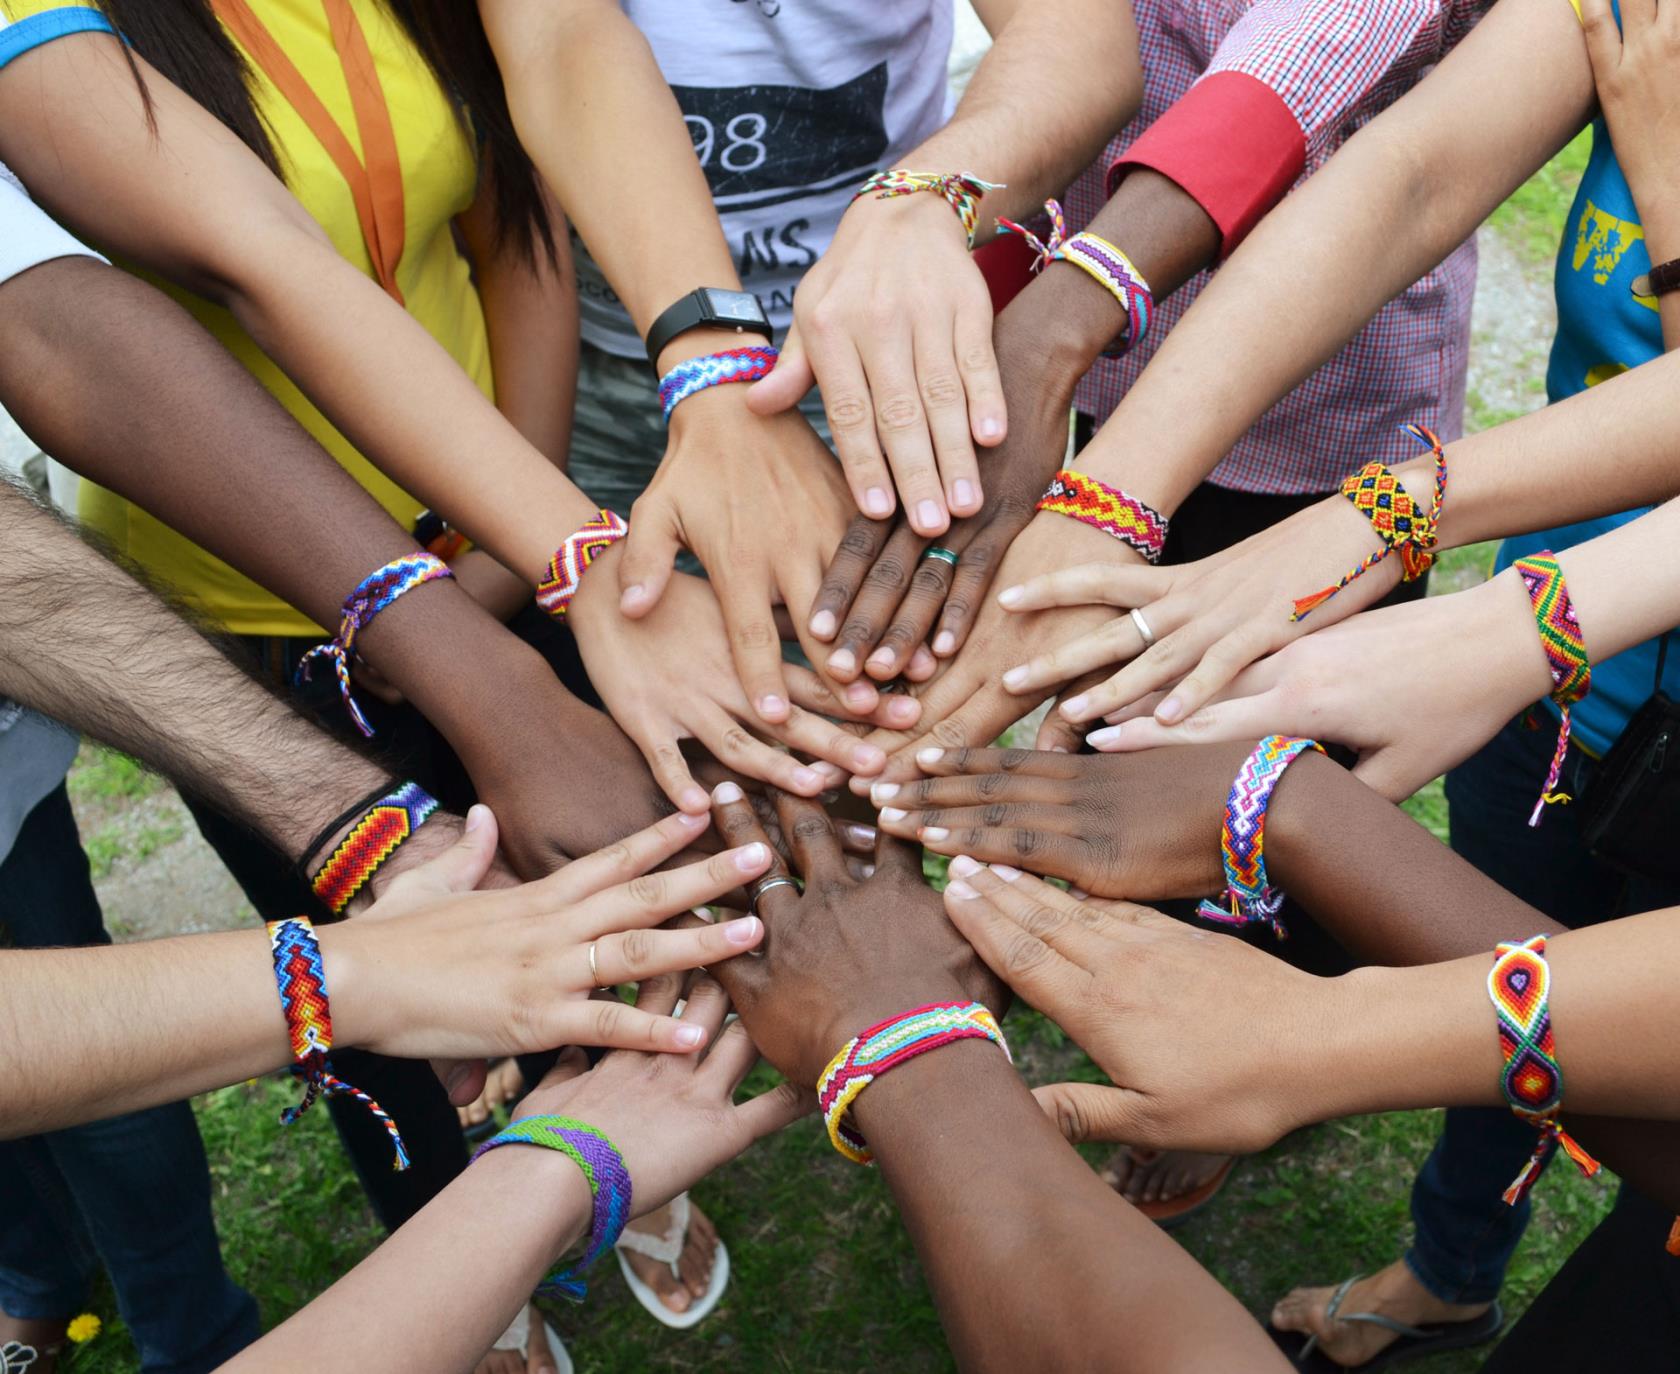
[1108, 509]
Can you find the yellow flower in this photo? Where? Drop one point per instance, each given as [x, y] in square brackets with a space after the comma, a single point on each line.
[84, 1328]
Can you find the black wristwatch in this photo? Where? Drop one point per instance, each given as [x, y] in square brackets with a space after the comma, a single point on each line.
[709, 306]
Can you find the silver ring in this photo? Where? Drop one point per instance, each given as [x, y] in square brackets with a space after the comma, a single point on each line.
[943, 555]
[755, 894]
[1143, 628]
[594, 974]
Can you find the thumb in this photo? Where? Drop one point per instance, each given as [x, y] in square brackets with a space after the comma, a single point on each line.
[460, 868]
[650, 553]
[1384, 772]
[1093, 1111]
[462, 1079]
[788, 381]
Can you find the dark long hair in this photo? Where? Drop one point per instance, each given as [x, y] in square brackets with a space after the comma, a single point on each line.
[186, 43]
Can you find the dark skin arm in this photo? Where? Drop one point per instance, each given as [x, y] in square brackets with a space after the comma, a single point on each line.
[1018, 1237]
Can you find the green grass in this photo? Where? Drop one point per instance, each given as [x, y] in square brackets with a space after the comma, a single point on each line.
[104, 776]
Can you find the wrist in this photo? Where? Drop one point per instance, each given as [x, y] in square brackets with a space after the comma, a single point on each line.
[362, 990]
[702, 342]
[1047, 338]
[922, 1094]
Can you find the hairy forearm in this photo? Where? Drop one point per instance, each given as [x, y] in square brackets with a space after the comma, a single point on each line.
[1035, 1264]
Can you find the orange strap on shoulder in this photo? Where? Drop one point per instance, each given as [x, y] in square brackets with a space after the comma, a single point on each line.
[375, 179]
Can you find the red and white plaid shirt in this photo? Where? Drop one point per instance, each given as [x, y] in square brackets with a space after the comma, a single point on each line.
[1242, 101]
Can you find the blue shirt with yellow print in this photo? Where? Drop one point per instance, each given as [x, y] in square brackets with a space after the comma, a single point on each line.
[1603, 329]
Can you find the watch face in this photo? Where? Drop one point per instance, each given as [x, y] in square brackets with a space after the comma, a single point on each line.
[733, 305]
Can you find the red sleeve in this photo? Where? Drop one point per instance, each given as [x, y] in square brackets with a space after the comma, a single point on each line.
[1006, 264]
[1231, 144]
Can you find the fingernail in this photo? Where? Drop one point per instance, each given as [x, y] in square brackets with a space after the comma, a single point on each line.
[929, 756]
[927, 512]
[690, 820]
[904, 709]
[1103, 739]
[694, 799]
[963, 867]
[961, 890]
[726, 792]
[866, 758]
[860, 696]
[807, 779]
[1169, 710]
[742, 932]
[891, 815]
[1074, 705]
[1057, 749]
[844, 661]
[868, 870]
[990, 428]
[876, 501]
[823, 624]
[750, 858]
[943, 643]
[861, 834]
[633, 595]
[771, 705]
[1005, 872]
[882, 658]
[883, 792]
[689, 1035]
[1011, 596]
[476, 817]
[935, 833]
[457, 1079]
[1016, 677]
[829, 773]
[962, 492]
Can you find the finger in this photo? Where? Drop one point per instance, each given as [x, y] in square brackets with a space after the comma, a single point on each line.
[974, 722]
[811, 839]
[857, 838]
[1124, 584]
[1637, 17]
[654, 897]
[861, 702]
[922, 665]
[738, 749]
[1017, 956]
[733, 1053]
[658, 742]
[811, 734]
[1224, 660]
[978, 556]
[1040, 846]
[1009, 779]
[571, 1064]
[901, 422]
[988, 416]
[878, 597]
[946, 405]
[462, 1079]
[789, 380]
[708, 1005]
[1113, 642]
[851, 419]
[853, 558]
[630, 956]
[735, 819]
[460, 868]
[613, 1024]
[1386, 773]
[909, 628]
[754, 645]
[1604, 38]
[1026, 763]
[620, 862]
[1084, 935]
[1238, 719]
[1092, 1112]
[649, 557]
[797, 583]
[770, 1111]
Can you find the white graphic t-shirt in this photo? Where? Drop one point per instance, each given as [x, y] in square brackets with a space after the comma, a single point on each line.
[790, 104]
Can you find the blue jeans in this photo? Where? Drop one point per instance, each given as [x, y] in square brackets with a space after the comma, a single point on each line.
[132, 1191]
[1465, 1233]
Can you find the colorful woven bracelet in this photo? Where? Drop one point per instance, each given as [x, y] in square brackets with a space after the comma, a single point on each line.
[1099, 258]
[609, 1187]
[1520, 984]
[372, 840]
[1250, 899]
[373, 594]
[302, 979]
[1108, 509]
[1566, 656]
[715, 369]
[961, 191]
[572, 559]
[882, 1047]
[1382, 498]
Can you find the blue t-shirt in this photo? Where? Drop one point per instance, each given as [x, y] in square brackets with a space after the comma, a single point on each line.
[1603, 330]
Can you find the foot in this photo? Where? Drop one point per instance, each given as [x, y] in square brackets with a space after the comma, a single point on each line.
[1391, 1292]
[502, 1084]
[1159, 1175]
[679, 1291]
[534, 1359]
[46, 1338]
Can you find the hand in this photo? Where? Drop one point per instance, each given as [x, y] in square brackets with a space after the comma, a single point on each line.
[674, 1118]
[881, 591]
[1207, 1039]
[1097, 820]
[1210, 619]
[432, 840]
[894, 323]
[435, 970]
[1351, 685]
[844, 954]
[669, 676]
[1633, 67]
[760, 502]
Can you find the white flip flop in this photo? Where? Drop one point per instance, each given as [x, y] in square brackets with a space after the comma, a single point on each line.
[518, 1336]
[667, 1249]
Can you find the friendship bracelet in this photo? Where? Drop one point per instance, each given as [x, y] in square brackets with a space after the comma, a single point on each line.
[960, 190]
[609, 1187]
[373, 594]
[1108, 509]
[390, 820]
[1520, 984]
[572, 559]
[1099, 258]
[1381, 498]
[1242, 839]
[1566, 656]
[885, 1046]
[715, 369]
[332, 827]
[301, 977]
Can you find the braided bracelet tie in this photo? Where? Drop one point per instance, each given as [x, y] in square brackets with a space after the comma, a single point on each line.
[1566, 657]
[960, 190]
[885, 1046]
[572, 559]
[301, 977]
[715, 369]
[1108, 509]
[609, 1187]
[1250, 899]
[1044, 250]
[1520, 984]
[372, 840]
[1381, 498]
[373, 594]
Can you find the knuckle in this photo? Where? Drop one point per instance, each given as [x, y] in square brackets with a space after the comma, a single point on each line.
[949, 734]
[736, 742]
[1027, 843]
[994, 816]
[898, 413]
[753, 634]
[609, 1020]
[956, 609]
[636, 948]
[847, 411]
[859, 540]
[940, 390]
[1016, 758]
[618, 855]
[1040, 921]
[648, 890]
[977, 357]
[929, 579]
[812, 828]
[1025, 953]
[990, 784]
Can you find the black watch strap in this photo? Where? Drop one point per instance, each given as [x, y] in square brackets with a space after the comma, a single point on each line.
[696, 309]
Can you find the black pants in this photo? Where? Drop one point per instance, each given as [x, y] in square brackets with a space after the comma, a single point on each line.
[407, 1089]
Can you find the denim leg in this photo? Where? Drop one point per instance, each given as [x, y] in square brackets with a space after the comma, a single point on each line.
[135, 1189]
